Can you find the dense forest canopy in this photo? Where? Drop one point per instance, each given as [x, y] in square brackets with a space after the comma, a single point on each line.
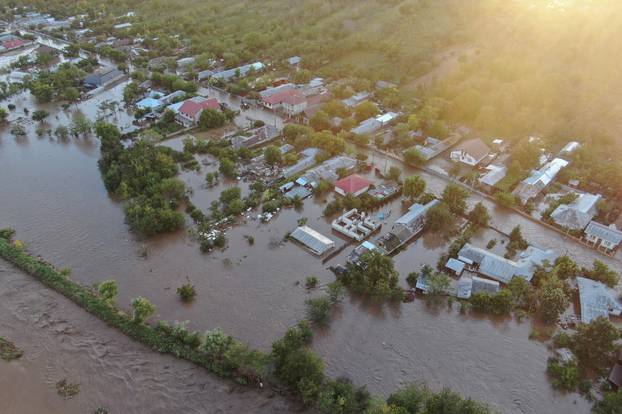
[506, 67]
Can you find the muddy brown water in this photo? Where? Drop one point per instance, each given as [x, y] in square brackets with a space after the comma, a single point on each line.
[51, 193]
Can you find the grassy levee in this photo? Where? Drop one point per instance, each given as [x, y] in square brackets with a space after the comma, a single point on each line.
[245, 366]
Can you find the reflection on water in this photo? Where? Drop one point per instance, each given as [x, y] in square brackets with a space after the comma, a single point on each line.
[53, 196]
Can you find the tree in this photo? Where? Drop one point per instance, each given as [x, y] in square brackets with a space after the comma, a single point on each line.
[320, 121]
[565, 268]
[71, 94]
[61, 132]
[413, 156]
[108, 290]
[216, 343]
[141, 309]
[602, 273]
[342, 397]
[81, 125]
[39, 115]
[564, 375]
[413, 187]
[594, 343]
[211, 118]
[552, 299]
[479, 215]
[272, 155]
[187, 292]
[318, 310]
[437, 284]
[517, 242]
[131, 92]
[4, 116]
[455, 198]
[411, 398]
[227, 168]
[439, 219]
[394, 173]
[610, 404]
[505, 198]
[374, 275]
[365, 110]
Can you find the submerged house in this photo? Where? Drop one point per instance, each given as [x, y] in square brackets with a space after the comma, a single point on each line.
[495, 174]
[597, 299]
[501, 269]
[327, 171]
[190, 110]
[307, 159]
[531, 186]
[406, 227]
[578, 214]
[314, 241]
[102, 77]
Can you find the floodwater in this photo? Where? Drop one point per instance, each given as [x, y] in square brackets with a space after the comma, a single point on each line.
[52, 194]
[61, 341]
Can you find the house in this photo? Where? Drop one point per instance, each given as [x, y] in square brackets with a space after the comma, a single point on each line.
[316, 242]
[306, 160]
[353, 184]
[601, 236]
[495, 174]
[501, 269]
[597, 299]
[102, 77]
[190, 110]
[470, 285]
[328, 170]
[242, 71]
[570, 147]
[456, 266]
[470, 152]
[354, 100]
[294, 104]
[406, 227]
[368, 126]
[531, 186]
[10, 42]
[578, 214]
[255, 137]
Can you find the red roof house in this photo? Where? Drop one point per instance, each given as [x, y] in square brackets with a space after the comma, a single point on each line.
[353, 184]
[190, 111]
[13, 43]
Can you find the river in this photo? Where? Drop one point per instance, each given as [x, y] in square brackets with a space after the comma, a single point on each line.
[53, 196]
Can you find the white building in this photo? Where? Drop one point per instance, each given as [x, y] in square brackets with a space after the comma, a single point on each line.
[601, 236]
[470, 152]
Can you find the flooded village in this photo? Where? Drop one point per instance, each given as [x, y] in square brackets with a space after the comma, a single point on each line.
[323, 205]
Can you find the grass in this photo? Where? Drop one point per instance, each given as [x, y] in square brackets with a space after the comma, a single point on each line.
[8, 350]
[245, 368]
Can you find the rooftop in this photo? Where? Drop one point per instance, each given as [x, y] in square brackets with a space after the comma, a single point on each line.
[474, 147]
[315, 241]
[610, 234]
[597, 299]
[577, 214]
[353, 184]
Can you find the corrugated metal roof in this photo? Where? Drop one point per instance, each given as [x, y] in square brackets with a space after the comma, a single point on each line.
[603, 232]
[597, 299]
[577, 214]
[315, 241]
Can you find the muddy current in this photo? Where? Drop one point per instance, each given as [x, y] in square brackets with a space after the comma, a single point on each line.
[51, 193]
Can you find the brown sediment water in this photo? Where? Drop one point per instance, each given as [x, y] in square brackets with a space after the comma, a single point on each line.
[52, 194]
[61, 341]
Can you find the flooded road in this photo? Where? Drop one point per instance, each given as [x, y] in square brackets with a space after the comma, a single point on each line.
[61, 341]
[53, 196]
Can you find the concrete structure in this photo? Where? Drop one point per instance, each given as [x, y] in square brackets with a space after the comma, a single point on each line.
[531, 186]
[312, 240]
[501, 269]
[597, 299]
[470, 152]
[601, 236]
[355, 225]
[578, 214]
[353, 184]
